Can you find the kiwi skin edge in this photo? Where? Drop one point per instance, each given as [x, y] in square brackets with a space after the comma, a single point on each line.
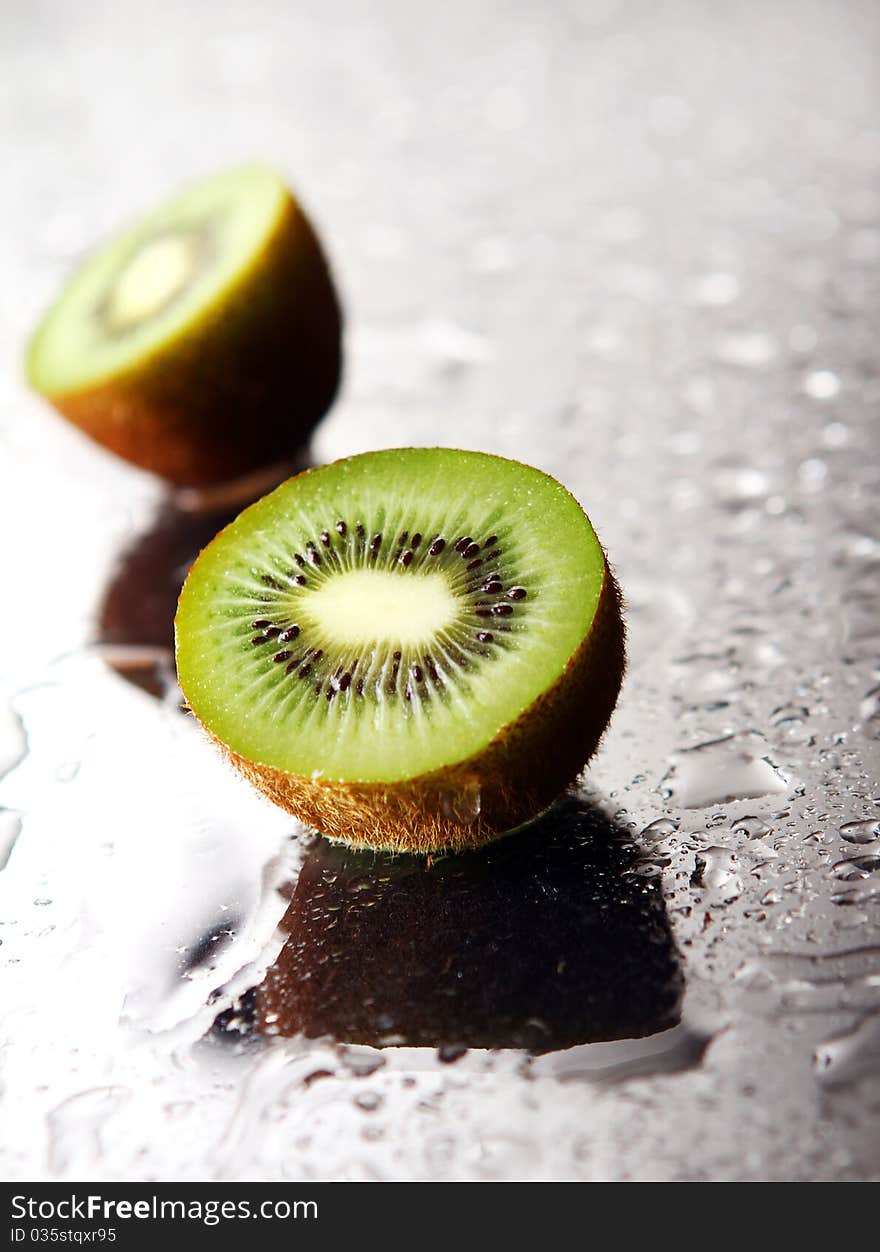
[517, 775]
[243, 385]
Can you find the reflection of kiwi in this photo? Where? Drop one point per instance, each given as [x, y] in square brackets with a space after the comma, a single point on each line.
[135, 619]
[134, 627]
[411, 649]
[202, 342]
[139, 603]
[545, 940]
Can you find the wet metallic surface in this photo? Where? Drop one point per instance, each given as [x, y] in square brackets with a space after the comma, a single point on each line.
[638, 246]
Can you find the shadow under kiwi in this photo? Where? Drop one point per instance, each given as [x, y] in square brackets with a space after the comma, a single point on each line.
[135, 617]
[546, 939]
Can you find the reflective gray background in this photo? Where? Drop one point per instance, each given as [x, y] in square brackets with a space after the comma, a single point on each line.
[637, 245]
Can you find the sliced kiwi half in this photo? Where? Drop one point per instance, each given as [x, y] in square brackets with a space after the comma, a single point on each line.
[413, 649]
[202, 342]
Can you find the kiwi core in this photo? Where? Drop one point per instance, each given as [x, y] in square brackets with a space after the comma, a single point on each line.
[157, 274]
[361, 607]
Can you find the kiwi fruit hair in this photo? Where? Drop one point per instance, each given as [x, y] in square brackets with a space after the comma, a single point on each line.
[202, 342]
[415, 649]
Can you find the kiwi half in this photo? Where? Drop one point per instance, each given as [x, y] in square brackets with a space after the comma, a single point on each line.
[202, 342]
[413, 649]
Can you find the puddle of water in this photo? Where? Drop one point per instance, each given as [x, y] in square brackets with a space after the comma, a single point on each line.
[732, 768]
[805, 982]
[181, 847]
[670, 1052]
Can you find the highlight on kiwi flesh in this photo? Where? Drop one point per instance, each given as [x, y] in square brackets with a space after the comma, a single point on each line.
[414, 649]
[202, 342]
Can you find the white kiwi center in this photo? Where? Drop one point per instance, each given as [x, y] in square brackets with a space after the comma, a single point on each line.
[363, 607]
[157, 273]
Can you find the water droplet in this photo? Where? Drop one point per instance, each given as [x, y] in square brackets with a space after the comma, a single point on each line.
[716, 873]
[865, 831]
[715, 289]
[451, 1052]
[812, 474]
[13, 741]
[792, 720]
[368, 1101]
[854, 868]
[748, 349]
[850, 898]
[786, 713]
[603, 340]
[362, 1061]
[848, 1057]
[869, 712]
[802, 338]
[463, 804]
[835, 435]
[669, 1052]
[451, 345]
[722, 770]
[751, 827]
[660, 828]
[738, 485]
[10, 829]
[821, 385]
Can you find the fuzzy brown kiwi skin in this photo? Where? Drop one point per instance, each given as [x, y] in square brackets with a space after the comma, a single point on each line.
[240, 388]
[516, 777]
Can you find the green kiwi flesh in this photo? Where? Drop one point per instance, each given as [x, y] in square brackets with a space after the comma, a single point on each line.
[202, 342]
[411, 649]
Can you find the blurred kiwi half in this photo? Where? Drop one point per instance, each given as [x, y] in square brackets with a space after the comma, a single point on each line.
[202, 342]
